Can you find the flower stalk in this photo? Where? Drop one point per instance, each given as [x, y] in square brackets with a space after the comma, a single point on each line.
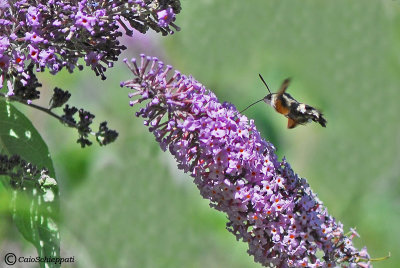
[267, 204]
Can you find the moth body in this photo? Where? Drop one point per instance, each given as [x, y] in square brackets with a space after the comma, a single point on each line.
[297, 113]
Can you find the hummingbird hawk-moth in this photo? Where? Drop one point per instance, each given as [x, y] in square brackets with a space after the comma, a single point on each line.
[297, 113]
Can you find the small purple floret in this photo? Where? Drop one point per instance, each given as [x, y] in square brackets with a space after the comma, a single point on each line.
[165, 17]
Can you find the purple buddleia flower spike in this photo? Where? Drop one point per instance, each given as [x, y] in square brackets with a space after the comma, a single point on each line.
[56, 34]
[268, 205]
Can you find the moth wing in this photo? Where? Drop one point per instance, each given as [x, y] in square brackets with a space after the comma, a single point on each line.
[283, 87]
[291, 123]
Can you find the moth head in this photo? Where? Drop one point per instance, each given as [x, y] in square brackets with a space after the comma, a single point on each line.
[268, 99]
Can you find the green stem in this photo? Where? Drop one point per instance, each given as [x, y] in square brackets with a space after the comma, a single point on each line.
[376, 259]
[381, 258]
[46, 110]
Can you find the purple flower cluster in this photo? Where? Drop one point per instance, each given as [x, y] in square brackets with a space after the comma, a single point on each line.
[267, 204]
[55, 34]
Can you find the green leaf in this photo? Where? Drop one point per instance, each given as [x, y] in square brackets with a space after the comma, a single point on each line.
[35, 209]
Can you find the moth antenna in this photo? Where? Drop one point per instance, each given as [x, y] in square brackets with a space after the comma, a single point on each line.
[250, 105]
[262, 79]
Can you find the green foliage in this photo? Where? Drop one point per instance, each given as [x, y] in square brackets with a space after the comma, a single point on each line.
[131, 207]
[34, 207]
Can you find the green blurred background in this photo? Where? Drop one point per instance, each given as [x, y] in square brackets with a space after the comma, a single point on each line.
[127, 205]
